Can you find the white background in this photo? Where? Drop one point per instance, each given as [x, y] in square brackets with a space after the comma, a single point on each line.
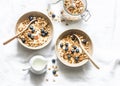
[103, 27]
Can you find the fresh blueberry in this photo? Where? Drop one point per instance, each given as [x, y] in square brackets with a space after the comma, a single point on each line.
[72, 51]
[23, 40]
[77, 50]
[29, 35]
[42, 31]
[73, 37]
[69, 56]
[76, 59]
[30, 18]
[53, 15]
[32, 37]
[66, 48]
[53, 61]
[31, 27]
[84, 41]
[33, 30]
[46, 33]
[66, 44]
[61, 45]
[43, 34]
[74, 47]
[54, 72]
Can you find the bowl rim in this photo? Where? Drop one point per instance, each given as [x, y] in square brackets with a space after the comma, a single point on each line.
[63, 61]
[43, 15]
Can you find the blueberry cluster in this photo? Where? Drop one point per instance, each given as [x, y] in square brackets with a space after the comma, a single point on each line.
[43, 33]
[66, 46]
[75, 49]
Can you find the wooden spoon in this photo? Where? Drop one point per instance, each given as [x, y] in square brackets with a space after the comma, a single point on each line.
[89, 56]
[9, 40]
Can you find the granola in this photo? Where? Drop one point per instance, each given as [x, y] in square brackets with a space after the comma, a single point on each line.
[37, 34]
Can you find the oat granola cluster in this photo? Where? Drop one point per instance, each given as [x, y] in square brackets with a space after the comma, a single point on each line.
[37, 34]
[78, 7]
[69, 49]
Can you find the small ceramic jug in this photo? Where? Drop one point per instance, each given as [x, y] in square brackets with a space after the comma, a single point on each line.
[37, 64]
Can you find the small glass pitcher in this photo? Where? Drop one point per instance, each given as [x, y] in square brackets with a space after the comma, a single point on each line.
[83, 14]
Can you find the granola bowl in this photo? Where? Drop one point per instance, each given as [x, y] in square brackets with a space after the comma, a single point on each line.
[68, 49]
[38, 34]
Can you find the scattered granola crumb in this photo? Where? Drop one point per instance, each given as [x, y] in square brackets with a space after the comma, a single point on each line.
[56, 75]
[62, 20]
[67, 24]
[49, 68]
[47, 80]
[53, 80]
[55, 67]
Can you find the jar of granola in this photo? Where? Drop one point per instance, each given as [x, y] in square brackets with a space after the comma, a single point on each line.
[74, 10]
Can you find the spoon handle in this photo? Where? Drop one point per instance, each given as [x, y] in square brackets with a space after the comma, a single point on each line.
[9, 40]
[89, 56]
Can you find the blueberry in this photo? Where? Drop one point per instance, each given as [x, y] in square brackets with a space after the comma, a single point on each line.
[54, 72]
[31, 27]
[84, 41]
[29, 35]
[74, 47]
[32, 37]
[72, 51]
[30, 18]
[66, 44]
[77, 50]
[46, 33]
[66, 48]
[53, 61]
[61, 45]
[69, 56]
[23, 40]
[43, 34]
[33, 31]
[73, 37]
[53, 15]
[42, 31]
[76, 59]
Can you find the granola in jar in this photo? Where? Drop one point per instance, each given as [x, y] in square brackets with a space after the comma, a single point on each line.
[74, 7]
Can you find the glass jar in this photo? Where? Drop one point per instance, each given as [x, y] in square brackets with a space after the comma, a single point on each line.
[74, 10]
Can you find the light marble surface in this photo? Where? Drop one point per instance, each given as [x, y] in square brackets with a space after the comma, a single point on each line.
[103, 28]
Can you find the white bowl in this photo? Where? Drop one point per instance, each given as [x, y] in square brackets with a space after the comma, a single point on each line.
[36, 14]
[73, 31]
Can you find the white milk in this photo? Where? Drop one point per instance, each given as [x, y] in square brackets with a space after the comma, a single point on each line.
[38, 64]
